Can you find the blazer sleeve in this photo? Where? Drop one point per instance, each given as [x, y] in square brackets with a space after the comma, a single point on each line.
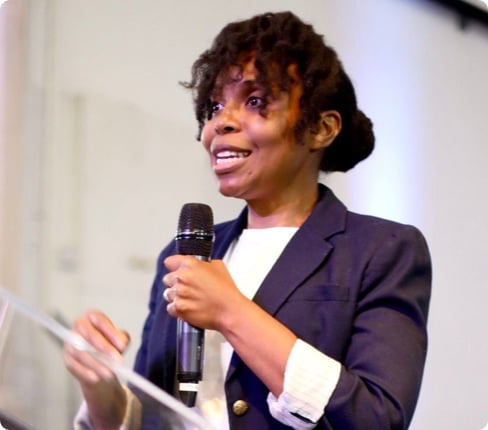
[142, 364]
[382, 370]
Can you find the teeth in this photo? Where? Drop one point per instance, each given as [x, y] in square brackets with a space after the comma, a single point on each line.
[229, 156]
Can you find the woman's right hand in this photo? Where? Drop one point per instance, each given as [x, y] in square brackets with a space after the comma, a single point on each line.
[103, 393]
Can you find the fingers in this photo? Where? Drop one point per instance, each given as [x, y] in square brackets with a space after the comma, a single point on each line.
[99, 331]
[173, 262]
[85, 367]
[186, 284]
[176, 264]
[169, 295]
[106, 331]
[197, 290]
[171, 279]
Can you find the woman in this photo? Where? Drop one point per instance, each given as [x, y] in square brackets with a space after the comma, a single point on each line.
[315, 317]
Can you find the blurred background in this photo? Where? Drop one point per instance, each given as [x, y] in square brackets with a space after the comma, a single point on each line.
[98, 154]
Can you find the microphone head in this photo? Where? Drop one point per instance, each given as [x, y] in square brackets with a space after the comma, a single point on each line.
[195, 232]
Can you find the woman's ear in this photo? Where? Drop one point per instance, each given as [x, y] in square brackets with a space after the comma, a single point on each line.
[327, 129]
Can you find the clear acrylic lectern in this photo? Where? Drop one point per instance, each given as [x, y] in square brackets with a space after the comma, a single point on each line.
[36, 390]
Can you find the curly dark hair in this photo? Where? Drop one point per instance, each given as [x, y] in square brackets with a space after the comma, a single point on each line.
[281, 39]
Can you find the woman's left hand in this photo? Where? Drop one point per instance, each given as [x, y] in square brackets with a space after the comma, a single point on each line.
[199, 292]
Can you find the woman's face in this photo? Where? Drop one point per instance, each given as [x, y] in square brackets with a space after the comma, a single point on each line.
[251, 141]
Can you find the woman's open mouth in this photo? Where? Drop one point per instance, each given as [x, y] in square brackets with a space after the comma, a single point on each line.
[227, 157]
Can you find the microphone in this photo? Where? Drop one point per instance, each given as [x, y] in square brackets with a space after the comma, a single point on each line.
[194, 237]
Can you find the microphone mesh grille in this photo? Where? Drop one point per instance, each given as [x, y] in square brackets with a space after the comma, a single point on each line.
[195, 230]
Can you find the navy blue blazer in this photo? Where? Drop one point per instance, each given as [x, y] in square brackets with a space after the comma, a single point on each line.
[355, 287]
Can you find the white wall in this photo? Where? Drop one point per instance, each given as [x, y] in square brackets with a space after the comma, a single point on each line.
[118, 157]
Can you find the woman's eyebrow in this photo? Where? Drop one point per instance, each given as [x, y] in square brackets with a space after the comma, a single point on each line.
[244, 86]
[251, 84]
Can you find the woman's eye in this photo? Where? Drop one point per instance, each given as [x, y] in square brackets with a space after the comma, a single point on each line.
[255, 101]
[215, 107]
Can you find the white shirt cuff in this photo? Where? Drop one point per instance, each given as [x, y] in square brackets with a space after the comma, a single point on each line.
[310, 380]
[132, 417]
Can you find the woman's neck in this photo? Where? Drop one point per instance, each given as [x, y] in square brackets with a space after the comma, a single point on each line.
[288, 213]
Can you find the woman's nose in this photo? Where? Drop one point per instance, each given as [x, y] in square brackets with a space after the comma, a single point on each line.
[227, 121]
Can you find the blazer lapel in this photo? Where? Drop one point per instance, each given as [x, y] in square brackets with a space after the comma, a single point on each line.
[301, 256]
[305, 252]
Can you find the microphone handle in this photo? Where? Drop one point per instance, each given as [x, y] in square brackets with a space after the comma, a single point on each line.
[190, 361]
[189, 354]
